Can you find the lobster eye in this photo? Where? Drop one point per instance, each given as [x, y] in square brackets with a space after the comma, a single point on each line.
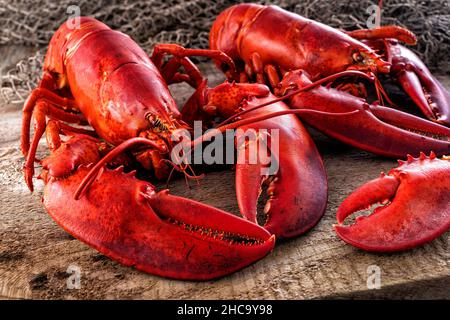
[357, 57]
[224, 67]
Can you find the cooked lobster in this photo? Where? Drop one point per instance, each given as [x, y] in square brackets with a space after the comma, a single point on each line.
[290, 52]
[268, 44]
[99, 77]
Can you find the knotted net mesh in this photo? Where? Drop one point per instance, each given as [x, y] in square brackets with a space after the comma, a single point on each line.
[188, 22]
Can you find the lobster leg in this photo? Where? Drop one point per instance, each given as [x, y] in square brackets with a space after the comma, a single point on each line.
[42, 109]
[257, 67]
[196, 107]
[272, 75]
[171, 75]
[384, 32]
[262, 73]
[416, 208]
[55, 128]
[161, 50]
[53, 105]
[265, 73]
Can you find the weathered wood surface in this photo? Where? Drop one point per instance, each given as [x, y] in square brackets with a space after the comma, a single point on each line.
[35, 253]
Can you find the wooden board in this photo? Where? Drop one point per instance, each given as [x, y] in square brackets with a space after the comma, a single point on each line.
[35, 253]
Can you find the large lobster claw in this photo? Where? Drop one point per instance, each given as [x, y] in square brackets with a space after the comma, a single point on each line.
[416, 80]
[128, 221]
[292, 171]
[297, 190]
[277, 153]
[381, 130]
[417, 208]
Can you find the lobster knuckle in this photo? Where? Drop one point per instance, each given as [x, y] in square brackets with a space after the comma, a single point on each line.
[226, 97]
[78, 150]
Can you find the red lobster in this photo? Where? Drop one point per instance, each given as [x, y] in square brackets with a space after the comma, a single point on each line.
[269, 44]
[287, 51]
[94, 75]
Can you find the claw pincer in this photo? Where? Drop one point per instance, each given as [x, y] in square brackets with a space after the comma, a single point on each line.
[153, 231]
[276, 159]
[416, 207]
[416, 80]
[297, 192]
[101, 77]
[377, 129]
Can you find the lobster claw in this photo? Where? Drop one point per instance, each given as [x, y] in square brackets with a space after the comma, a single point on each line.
[295, 179]
[418, 82]
[416, 207]
[408, 70]
[275, 152]
[154, 231]
[377, 129]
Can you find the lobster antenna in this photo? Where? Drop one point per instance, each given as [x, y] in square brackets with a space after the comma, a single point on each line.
[219, 130]
[297, 91]
[89, 178]
[180, 168]
[382, 93]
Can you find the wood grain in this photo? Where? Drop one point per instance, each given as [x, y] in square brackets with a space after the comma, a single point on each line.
[35, 253]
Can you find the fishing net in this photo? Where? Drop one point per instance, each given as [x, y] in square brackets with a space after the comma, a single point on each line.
[32, 23]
